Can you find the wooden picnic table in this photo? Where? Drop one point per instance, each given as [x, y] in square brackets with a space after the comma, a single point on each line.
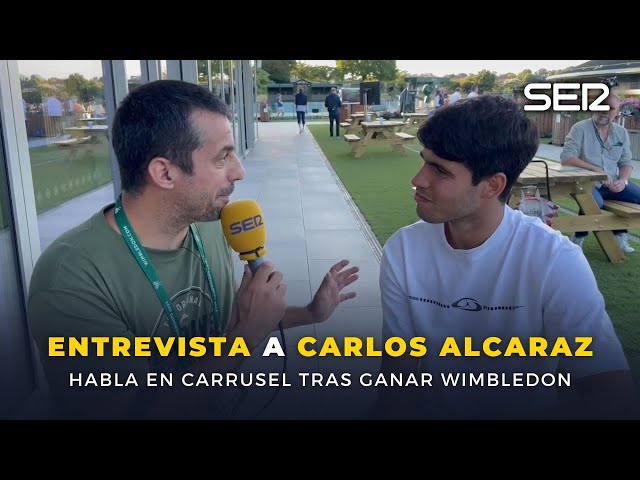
[95, 120]
[377, 133]
[356, 119]
[98, 133]
[577, 183]
[413, 118]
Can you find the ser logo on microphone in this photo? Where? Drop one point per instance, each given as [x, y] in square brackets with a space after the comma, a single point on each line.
[246, 225]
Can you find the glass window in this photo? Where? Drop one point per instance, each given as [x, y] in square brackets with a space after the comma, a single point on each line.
[163, 70]
[68, 141]
[134, 74]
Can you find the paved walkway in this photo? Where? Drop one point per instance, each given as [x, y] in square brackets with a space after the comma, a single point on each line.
[312, 224]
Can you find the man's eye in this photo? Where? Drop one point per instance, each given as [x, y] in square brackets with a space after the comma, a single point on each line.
[437, 168]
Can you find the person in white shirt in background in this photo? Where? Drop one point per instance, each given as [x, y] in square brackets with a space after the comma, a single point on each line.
[473, 268]
[457, 95]
[473, 92]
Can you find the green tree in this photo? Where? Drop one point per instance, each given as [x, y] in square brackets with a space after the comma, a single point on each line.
[203, 77]
[262, 81]
[395, 86]
[77, 86]
[485, 80]
[279, 70]
[526, 76]
[316, 73]
[383, 70]
[30, 91]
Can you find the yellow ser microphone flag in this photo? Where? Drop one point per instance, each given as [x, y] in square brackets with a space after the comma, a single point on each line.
[245, 231]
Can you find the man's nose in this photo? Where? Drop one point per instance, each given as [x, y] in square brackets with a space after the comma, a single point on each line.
[237, 172]
[420, 180]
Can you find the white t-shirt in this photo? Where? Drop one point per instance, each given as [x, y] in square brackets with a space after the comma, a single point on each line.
[526, 280]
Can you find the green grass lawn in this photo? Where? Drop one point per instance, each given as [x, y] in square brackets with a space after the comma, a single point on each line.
[380, 185]
[63, 173]
[385, 200]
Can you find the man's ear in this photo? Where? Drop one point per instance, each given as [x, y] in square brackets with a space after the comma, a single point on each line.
[161, 172]
[494, 186]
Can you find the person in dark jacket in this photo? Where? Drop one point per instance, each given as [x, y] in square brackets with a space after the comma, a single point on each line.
[333, 104]
[301, 109]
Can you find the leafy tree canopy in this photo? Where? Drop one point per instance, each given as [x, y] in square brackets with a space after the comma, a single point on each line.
[368, 70]
[279, 70]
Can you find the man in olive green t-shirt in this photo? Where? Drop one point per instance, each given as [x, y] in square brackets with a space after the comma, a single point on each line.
[139, 268]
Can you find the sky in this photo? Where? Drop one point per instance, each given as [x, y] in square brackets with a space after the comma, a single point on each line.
[64, 68]
[445, 67]
[93, 68]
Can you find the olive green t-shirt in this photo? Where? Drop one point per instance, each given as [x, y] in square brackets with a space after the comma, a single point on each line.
[87, 284]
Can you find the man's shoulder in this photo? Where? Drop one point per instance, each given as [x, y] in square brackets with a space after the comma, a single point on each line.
[417, 231]
[82, 235]
[81, 245]
[533, 235]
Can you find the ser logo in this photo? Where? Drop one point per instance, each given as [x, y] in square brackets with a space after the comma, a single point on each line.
[557, 96]
[246, 225]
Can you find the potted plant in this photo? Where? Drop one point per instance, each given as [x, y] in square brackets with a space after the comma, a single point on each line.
[630, 110]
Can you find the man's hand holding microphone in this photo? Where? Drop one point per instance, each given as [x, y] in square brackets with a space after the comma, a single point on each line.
[260, 301]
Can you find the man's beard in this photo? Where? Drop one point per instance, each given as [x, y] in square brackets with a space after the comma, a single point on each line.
[192, 211]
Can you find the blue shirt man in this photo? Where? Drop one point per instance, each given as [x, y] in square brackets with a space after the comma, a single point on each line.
[601, 145]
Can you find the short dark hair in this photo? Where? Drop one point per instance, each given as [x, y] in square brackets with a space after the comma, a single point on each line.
[488, 134]
[154, 120]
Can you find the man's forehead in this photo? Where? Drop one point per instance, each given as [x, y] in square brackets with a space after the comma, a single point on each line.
[212, 124]
[612, 101]
[428, 154]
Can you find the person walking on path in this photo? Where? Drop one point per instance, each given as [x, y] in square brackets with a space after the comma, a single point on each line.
[301, 109]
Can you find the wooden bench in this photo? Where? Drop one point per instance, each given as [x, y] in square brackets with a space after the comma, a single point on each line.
[404, 137]
[345, 124]
[67, 142]
[622, 209]
[357, 149]
[615, 215]
[70, 144]
[72, 141]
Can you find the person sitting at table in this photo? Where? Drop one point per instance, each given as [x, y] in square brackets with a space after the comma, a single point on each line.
[473, 269]
[601, 145]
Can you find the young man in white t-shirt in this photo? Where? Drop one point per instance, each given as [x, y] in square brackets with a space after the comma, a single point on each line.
[472, 268]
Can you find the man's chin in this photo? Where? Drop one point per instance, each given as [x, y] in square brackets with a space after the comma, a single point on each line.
[429, 217]
[212, 215]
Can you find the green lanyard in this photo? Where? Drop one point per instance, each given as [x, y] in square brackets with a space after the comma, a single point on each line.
[140, 254]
